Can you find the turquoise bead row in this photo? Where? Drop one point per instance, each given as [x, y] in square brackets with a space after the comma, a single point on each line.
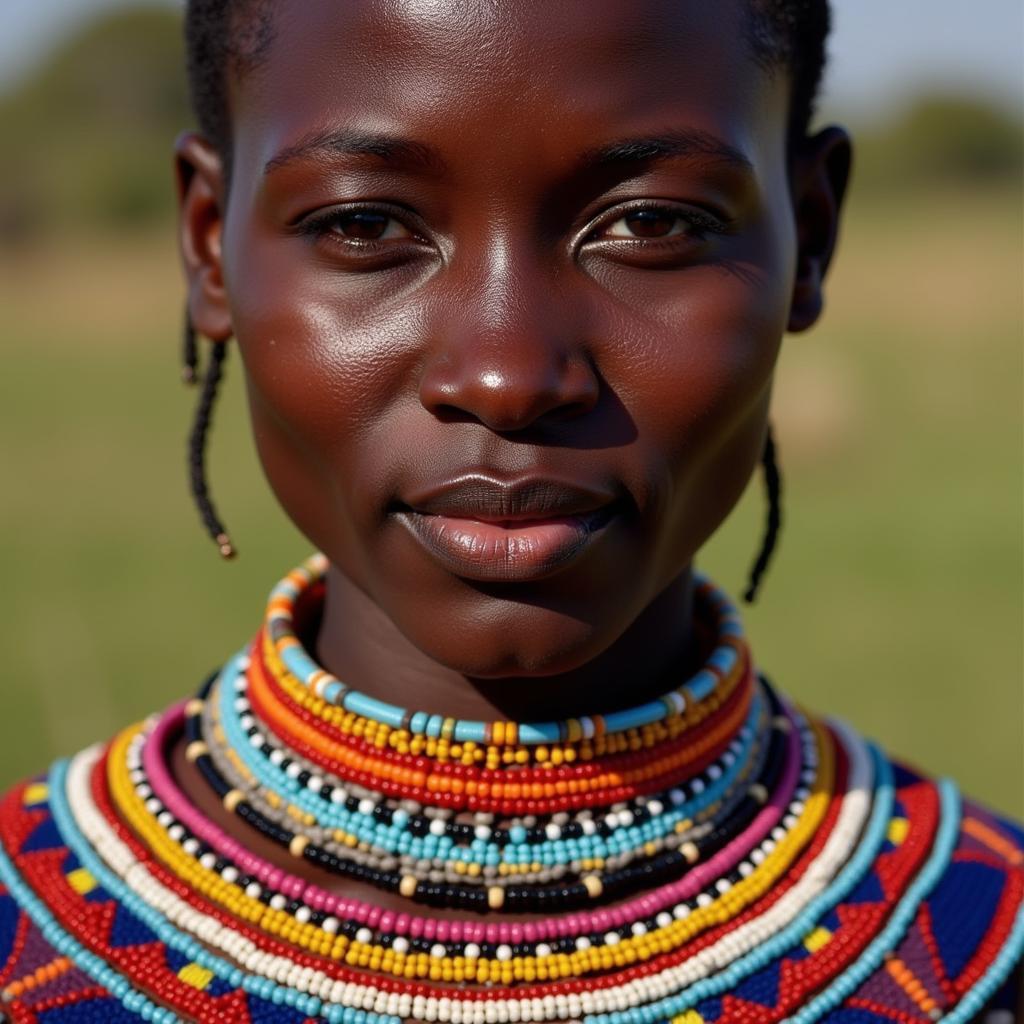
[333, 691]
[901, 918]
[393, 839]
[67, 945]
[262, 988]
[793, 933]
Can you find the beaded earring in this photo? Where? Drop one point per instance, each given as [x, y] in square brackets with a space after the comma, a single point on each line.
[200, 429]
[773, 487]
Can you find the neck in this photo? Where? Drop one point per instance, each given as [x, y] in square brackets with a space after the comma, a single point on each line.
[476, 763]
[357, 642]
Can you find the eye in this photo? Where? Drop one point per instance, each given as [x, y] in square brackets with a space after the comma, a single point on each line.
[657, 222]
[365, 237]
[649, 223]
[358, 225]
[370, 226]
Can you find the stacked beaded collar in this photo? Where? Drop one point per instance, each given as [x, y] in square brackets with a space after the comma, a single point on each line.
[670, 862]
[702, 798]
[529, 818]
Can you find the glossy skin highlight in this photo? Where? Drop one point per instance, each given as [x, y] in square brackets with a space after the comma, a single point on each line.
[543, 246]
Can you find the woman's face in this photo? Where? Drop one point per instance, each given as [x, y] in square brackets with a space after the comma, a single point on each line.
[509, 283]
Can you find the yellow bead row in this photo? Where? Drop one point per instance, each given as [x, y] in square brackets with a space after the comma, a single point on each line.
[503, 752]
[458, 969]
[210, 884]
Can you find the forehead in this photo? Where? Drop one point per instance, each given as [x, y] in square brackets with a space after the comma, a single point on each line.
[517, 82]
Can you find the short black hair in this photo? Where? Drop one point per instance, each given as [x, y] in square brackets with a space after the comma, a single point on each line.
[790, 36]
[223, 36]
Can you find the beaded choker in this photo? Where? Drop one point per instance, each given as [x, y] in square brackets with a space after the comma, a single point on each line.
[712, 855]
[410, 731]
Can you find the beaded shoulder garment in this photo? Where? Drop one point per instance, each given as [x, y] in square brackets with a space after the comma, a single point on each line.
[716, 855]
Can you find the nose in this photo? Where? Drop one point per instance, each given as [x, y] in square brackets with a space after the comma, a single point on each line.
[511, 354]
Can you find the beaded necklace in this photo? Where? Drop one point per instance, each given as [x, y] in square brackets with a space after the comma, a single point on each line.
[429, 843]
[316, 897]
[615, 832]
[351, 801]
[684, 920]
[715, 855]
[281, 632]
[185, 839]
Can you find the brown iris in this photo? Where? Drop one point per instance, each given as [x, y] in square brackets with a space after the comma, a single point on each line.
[650, 223]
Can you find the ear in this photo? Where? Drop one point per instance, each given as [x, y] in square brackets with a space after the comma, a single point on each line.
[820, 172]
[201, 207]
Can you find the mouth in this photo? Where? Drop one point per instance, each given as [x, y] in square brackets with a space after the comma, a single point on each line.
[484, 529]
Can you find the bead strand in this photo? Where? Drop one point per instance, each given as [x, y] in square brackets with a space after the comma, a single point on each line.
[885, 942]
[161, 910]
[331, 721]
[757, 942]
[682, 928]
[434, 843]
[335, 805]
[280, 624]
[434, 893]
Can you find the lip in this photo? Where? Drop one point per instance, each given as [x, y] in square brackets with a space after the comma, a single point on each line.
[486, 529]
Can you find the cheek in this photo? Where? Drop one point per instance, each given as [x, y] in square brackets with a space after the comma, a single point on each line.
[321, 348]
[702, 346]
[694, 369]
[316, 394]
[699, 344]
[730, 392]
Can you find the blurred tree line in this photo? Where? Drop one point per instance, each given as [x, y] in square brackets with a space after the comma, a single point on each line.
[87, 137]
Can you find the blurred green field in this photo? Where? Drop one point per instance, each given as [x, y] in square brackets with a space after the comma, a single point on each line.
[895, 600]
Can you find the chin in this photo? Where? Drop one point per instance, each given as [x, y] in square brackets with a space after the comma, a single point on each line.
[504, 638]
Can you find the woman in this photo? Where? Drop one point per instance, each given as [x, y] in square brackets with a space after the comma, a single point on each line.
[508, 284]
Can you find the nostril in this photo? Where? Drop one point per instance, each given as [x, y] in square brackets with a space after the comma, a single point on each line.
[574, 409]
[508, 409]
[448, 413]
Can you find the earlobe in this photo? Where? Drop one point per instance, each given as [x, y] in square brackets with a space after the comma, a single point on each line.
[820, 176]
[201, 194]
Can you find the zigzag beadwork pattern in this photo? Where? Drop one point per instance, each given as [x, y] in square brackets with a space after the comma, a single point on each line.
[955, 936]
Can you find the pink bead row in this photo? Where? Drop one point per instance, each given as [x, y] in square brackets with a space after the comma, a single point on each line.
[373, 916]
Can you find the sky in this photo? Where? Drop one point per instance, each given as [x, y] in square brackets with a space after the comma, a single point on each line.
[882, 52]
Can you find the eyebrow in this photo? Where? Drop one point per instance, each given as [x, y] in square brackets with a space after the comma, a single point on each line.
[683, 142]
[396, 150]
[335, 142]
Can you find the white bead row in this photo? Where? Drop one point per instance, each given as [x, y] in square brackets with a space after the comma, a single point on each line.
[855, 808]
